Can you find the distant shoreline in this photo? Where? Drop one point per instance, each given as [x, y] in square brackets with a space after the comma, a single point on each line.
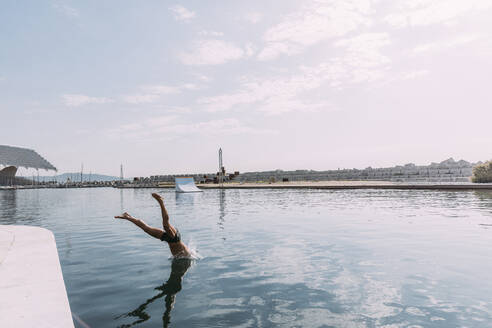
[327, 185]
[335, 185]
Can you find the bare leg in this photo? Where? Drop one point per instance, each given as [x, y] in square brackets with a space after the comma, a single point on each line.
[179, 248]
[154, 232]
[170, 230]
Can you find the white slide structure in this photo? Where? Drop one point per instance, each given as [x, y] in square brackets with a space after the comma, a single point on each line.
[186, 185]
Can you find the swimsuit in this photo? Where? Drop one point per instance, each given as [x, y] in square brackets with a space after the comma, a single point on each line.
[176, 239]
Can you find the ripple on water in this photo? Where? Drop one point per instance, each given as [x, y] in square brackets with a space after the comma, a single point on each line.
[272, 258]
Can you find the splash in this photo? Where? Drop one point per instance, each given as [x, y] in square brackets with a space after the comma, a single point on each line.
[194, 255]
[193, 250]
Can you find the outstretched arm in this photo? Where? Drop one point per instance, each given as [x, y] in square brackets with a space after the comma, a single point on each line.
[154, 232]
[170, 230]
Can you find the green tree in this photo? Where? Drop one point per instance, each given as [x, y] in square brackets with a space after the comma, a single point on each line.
[482, 173]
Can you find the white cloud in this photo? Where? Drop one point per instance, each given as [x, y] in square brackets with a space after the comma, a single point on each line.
[428, 12]
[140, 98]
[405, 75]
[250, 49]
[451, 43]
[363, 59]
[253, 17]
[276, 106]
[202, 77]
[167, 127]
[181, 13]
[190, 86]
[209, 33]
[142, 129]
[272, 96]
[227, 126]
[160, 89]
[211, 52]
[361, 62]
[152, 93]
[75, 100]
[129, 127]
[415, 74]
[178, 110]
[65, 9]
[313, 23]
[160, 121]
[274, 49]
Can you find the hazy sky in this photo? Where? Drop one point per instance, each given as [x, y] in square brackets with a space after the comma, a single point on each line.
[159, 85]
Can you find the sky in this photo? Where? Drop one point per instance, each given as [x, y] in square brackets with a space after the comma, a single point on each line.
[159, 86]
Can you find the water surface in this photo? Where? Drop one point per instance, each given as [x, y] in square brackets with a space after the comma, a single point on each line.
[271, 258]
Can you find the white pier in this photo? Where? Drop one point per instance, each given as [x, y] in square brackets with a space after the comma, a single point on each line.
[32, 290]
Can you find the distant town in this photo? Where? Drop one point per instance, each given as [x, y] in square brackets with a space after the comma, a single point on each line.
[445, 171]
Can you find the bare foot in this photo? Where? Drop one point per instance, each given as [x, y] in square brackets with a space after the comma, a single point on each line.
[157, 197]
[123, 216]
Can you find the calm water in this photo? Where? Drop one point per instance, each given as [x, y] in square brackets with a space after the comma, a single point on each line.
[271, 258]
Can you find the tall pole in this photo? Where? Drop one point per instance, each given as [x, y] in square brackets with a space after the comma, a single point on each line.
[221, 182]
[81, 171]
[121, 172]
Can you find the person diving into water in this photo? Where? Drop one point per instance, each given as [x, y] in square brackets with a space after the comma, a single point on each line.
[170, 234]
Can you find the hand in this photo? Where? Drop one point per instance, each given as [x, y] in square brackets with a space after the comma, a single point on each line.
[124, 216]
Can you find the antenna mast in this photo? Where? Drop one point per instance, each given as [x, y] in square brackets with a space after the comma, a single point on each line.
[221, 169]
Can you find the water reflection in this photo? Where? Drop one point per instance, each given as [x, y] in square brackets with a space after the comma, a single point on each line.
[185, 199]
[122, 201]
[8, 210]
[255, 302]
[333, 270]
[485, 198]
[169, 289]
[221, 208]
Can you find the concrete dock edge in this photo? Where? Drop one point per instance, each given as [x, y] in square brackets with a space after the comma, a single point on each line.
[32, 289]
